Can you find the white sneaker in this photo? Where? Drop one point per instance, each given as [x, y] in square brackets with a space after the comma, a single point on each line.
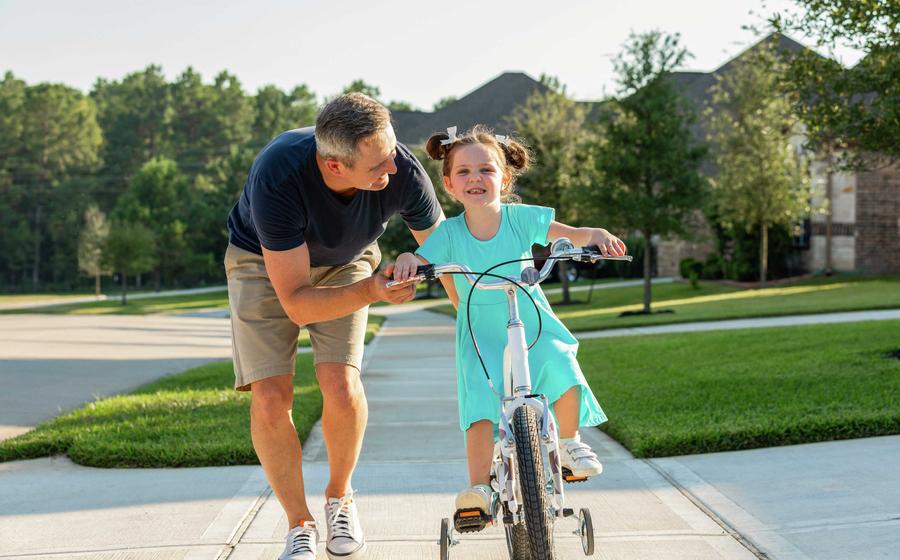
[302, 542]
[480, 496]
[578, 457]
[345, 537]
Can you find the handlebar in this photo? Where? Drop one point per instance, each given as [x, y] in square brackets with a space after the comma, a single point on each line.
[562, 249]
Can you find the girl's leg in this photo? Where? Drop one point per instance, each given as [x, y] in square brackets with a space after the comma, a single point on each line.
[480, 451]
[568, 412]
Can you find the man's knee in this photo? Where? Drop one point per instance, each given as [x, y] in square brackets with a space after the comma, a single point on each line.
[271, 401]
[340, 383]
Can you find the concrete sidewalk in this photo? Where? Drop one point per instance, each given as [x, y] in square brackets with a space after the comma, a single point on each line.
[821, 501]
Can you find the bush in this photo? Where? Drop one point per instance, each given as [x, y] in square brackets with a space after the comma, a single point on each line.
[691, 269]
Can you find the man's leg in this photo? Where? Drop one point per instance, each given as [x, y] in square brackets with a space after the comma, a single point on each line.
[344, 416]
[277, 445]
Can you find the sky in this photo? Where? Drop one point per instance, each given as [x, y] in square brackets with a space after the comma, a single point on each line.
[417, 52]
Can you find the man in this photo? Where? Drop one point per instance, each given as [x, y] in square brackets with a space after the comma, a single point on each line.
[302, 251]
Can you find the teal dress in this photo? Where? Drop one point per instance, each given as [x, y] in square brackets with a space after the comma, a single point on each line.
[552, 361]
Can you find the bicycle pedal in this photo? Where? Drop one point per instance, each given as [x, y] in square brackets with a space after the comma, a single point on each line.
[568, 477]
[470, 520]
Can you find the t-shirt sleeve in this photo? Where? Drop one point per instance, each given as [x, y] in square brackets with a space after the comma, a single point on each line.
[436, 249]
[420, 207]
[278, 217]
[532, 222]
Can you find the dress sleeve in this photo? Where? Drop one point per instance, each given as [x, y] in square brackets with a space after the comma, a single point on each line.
[436, 249]
[531, 222]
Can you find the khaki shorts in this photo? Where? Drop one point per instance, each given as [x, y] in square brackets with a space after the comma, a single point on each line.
[264, 339]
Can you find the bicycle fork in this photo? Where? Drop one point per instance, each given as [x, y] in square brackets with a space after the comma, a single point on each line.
[517, 387]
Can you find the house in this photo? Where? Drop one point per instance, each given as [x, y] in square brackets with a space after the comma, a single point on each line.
[862, 231]
[489, 104]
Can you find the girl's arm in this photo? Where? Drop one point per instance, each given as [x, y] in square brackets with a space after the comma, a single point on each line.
[609, 244]
[405, 267]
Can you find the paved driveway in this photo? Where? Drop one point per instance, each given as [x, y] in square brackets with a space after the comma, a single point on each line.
[50, 363]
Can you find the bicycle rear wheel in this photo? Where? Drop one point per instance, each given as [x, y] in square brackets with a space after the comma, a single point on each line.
[532, 482]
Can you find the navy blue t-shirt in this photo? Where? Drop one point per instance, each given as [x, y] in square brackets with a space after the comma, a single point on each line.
[286, 203]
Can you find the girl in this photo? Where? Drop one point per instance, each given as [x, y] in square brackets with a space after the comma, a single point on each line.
[478, 171]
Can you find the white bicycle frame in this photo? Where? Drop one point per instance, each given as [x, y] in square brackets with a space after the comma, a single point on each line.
[517, 377]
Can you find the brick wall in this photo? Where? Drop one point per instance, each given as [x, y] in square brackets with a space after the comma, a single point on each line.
[878, 221]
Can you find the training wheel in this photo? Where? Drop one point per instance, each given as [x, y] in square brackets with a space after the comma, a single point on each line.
[445, 539]
[586, 531]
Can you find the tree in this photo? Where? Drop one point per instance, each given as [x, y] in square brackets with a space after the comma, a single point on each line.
[14, 222]
[208, 119]
[59, 138]
[90, 245]
[361, 86]
[215, 193]
[129, 250]
[648, 158]
[159, 196]
[554, 127]
[277, 111]
[400, 106]
[136, 117]
[855, 108]
[444, 102]
[761, 181]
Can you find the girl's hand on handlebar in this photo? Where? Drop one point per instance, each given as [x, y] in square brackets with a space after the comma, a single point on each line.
[405, 267]
[608, 244]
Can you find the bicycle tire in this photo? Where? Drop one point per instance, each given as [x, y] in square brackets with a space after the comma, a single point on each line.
[517, 542]
[532, 482]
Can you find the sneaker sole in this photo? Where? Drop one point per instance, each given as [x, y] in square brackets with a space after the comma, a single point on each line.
[355, 555]
[579, 476]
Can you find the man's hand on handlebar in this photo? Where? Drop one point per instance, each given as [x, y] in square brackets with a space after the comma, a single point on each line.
[607, 244]
[396, 294]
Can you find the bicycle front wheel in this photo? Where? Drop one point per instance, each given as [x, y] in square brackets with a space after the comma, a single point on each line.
[532, 482]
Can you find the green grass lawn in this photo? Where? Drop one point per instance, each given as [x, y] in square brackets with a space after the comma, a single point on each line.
[192, 419]
[705, 392]
[713, 301]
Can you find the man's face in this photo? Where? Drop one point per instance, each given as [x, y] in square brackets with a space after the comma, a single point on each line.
[375, 161]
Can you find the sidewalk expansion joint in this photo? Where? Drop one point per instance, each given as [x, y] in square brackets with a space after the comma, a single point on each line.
[242, 527]
[731, 531]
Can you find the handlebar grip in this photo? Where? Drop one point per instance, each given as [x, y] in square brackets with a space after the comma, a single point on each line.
[426, 270]
[423, 272]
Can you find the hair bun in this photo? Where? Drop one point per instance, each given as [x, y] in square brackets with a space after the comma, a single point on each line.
[434, 148]
[516, 155]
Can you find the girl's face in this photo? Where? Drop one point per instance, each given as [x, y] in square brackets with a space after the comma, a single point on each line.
[476, 177]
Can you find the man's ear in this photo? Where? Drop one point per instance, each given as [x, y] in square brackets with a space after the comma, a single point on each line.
[335, 167]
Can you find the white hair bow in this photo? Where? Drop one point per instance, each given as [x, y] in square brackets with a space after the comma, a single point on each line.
[451, 132]
[502, 139]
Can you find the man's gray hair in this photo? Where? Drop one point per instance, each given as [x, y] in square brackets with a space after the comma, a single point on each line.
[344, 121]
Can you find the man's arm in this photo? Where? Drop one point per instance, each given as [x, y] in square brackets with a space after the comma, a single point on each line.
[304, 303]
[446, 281]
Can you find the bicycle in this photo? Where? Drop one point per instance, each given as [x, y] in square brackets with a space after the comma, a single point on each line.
[527, 429]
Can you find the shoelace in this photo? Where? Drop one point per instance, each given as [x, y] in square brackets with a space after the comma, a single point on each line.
[302, 540]
[340, 518]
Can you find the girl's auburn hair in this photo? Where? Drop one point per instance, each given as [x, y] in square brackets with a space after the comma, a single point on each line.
[513, 154]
